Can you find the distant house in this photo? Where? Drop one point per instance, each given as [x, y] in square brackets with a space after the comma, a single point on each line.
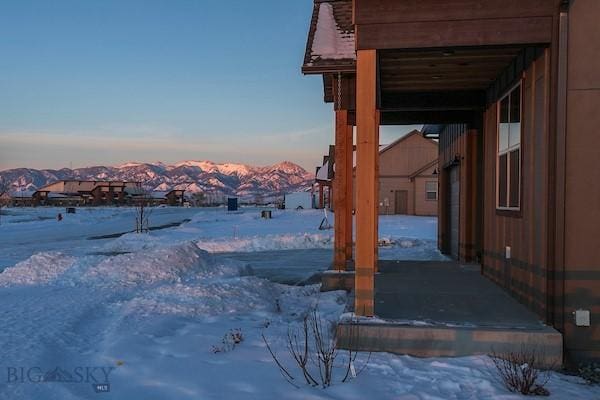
[408, 180]
[76, 192]
[21, 198]
[175, 197]
[323, 179]
[408, 176]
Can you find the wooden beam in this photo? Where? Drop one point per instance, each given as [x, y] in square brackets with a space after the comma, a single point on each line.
[428, 117]
[367, 157]
[482, 32]
[390, 11]
[341, 203]
[433, 101]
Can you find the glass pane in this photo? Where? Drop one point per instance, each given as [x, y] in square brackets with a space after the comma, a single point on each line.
[503, 129]
[515, 117]
[502, 180]
[431, 186]
[515, 178]
[504, 110]
[431, 196]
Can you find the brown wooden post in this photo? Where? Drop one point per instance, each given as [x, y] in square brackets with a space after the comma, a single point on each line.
[349, 189]
[340, 181]
[321, 196]
[367, 156]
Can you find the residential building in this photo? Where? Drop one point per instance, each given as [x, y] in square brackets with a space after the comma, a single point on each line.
[510, 88]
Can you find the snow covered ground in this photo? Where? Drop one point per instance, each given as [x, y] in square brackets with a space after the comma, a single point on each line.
[26, 231]
[148, 313]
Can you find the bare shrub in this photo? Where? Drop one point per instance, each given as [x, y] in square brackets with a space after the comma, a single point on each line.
[591, 373]
[520, 371]
[229, 341]
[4, 187]
[142, 209]
[312, 346]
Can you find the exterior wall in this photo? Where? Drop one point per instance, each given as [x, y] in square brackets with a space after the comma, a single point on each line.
[422, 205]
[458, 148]
[581, 229]
[397, 165]
[387, 188]
[526, 232]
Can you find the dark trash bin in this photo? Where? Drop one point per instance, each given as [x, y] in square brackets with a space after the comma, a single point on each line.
[232, 204]
[265, 214]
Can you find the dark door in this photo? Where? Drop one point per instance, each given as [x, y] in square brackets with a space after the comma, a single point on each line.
[454, 212]
[401, 202]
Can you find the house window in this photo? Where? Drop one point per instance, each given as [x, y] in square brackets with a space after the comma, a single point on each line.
[509, 151]
[431, 190]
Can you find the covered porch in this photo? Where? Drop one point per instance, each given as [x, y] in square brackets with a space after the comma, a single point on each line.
[444, 308]
[438, 65]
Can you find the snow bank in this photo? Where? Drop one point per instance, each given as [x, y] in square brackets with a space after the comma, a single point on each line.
[38, 269]
[170, 264]
[269, 242]
[204, 298]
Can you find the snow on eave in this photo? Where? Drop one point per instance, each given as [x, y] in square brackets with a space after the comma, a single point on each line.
[330, 41]
[323, 174]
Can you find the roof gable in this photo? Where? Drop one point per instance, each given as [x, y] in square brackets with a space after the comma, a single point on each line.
[406, 137]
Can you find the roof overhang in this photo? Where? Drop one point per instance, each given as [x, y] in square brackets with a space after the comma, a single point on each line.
[330, 46]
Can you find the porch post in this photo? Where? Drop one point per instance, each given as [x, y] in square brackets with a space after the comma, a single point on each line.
[367, 159]
[340, 200]
[349, 190]
[321, 198]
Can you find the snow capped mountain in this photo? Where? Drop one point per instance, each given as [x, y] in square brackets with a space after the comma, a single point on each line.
[241, 180]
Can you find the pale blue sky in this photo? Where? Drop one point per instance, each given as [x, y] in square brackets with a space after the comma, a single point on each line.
[104, 82]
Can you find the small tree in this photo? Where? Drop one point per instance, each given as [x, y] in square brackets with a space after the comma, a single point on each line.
[4, 187]
[198, 199]
[142, 209]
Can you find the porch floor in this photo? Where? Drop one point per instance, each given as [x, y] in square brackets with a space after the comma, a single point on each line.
[431, 309]
[446, 293]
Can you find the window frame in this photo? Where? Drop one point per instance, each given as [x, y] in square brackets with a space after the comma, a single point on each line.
[436, 191]
[508, 209]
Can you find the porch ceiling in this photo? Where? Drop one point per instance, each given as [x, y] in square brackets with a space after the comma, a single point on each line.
[439, 86]
[438, 70]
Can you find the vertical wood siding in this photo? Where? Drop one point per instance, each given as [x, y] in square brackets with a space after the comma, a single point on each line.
[525, 274]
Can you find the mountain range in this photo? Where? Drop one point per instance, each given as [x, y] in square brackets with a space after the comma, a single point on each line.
[241, 180]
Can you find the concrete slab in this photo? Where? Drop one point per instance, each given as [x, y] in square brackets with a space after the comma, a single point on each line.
[433, 309]
[446, 293]
[438, 341]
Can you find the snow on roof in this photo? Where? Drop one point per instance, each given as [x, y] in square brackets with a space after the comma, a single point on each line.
[330, 41]
[134, 190]
[330, 38]
[158, 195]
[22, 193]
[54, 195]
[323, 174]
